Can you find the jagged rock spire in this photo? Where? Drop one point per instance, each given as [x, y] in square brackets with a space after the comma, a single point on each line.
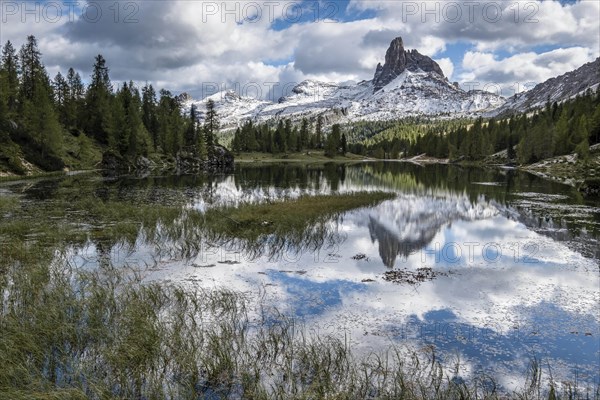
[397, 60]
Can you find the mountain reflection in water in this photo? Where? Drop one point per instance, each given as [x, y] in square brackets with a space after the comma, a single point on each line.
[523, 253]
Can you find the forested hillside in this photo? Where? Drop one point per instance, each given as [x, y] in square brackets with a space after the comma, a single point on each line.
[557, 129]
[60, 123]
[285, 137]
[52, 124]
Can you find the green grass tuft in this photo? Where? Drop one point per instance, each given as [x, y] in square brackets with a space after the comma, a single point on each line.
[291, 216]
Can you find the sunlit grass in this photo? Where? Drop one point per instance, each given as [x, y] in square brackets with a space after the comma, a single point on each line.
[305, 156]
[249, 221]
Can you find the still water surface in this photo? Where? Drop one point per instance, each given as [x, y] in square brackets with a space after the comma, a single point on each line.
[514, 258]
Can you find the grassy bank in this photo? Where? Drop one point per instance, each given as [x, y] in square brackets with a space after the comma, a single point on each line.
[569, 169]
[307, 156]
[20, 161]
[40, 175]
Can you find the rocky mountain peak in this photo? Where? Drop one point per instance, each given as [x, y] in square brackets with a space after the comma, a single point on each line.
[184, 97]
[397, 60]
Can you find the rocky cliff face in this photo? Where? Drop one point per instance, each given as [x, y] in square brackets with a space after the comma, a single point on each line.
[398, 60]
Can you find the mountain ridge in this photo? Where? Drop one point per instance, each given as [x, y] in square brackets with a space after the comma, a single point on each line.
[408, 84]
[559, 88]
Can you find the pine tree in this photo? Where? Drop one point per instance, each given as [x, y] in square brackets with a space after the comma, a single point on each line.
[581, 133]
[98, 103]
[118, 139]
[595, 126]
[191, 141]
[333, 141]
[236, 143]
[149, 110]
[4, 135]
[61, 97]
[33, 73]
[304, 135]
[211, 127]
[319, 133]
[140, 143]
[76, 88]
[163, 115]
[171, 124]
[279, 143]
[42, 126]
[542, 140]
[9, 77]
[38, 119]
[344, 145]
[249, 137]
[74, 107]
[510, 148]
[481, 145]
[466, 145]
[561, 134]
[290, 140]
[379, 153]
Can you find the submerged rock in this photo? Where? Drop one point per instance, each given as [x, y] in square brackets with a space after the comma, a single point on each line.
[413, 277]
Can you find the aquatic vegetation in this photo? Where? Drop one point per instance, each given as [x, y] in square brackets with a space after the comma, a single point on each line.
[250, 221]
[107, 334]
[291, 225]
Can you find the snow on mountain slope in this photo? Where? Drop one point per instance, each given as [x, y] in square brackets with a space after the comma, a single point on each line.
[556, 89]
[408, 84]
[425, 93]
[410, 94]
[232, 108]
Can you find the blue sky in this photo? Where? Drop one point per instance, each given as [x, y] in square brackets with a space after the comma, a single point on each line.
[186, 45]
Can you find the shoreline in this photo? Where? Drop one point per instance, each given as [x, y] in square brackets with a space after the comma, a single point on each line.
[566, 169]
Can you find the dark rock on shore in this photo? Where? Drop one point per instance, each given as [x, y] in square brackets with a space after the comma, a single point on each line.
[220, 160]
[590, 187]
[113, 161]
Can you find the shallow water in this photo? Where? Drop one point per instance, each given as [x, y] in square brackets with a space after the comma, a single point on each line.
[514, 258]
